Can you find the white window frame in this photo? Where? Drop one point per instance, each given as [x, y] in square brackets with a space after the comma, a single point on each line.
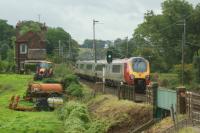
[21, 48]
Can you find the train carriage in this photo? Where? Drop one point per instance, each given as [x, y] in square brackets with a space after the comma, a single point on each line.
[132, 71]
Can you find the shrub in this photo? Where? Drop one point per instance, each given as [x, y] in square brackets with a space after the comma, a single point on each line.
[188, 72]
[75, 116]
[68, 79]
[30, 68]
[6, 66]
[98, 126]
[75, 89]
[61, 70]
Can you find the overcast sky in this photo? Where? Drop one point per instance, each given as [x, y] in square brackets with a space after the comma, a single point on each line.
[118, 18]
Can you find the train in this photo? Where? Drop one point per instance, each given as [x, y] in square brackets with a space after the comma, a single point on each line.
[132, 71]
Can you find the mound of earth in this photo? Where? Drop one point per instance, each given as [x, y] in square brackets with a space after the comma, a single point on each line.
[120, 115]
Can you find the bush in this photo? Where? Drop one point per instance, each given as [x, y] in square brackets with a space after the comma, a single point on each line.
[75, 116]
[188, 72]
[6, 66]
[50, 80]
[61, 70]
[30, 68]
[68, 79]
[98, 126]
[75, 89]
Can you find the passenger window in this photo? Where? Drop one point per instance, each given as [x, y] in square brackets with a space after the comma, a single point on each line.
[99, 67]
[116, 68]
[89, 66]
[81, 66]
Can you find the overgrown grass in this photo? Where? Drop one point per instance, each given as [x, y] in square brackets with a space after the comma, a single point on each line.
[23, 122]
[119, 113]
[169, 80]
[77, 119]
[187, 130]
[164, 124]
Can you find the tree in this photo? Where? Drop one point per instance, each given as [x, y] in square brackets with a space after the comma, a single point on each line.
[54, 35]
[163, 32]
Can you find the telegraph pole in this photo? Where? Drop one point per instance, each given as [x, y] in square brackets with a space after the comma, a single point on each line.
[183, 44]
[94, 45]
[69, 48]
[127, 47]
[183, 23]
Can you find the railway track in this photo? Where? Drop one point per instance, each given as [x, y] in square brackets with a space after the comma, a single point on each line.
[98, 87]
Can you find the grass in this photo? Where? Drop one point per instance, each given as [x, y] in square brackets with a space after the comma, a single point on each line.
[187, 130]
[23, 122]
[164, 124]
[119, 114]
[168, 80]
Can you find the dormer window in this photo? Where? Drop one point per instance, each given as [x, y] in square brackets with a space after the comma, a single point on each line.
[23, 48]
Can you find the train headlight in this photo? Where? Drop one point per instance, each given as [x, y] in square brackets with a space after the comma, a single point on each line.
[131, 77]
[147, 79]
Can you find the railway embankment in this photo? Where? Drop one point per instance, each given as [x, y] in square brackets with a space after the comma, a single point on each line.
[120, 115]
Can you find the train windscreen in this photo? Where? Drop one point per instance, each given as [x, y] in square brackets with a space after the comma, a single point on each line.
[139, 65]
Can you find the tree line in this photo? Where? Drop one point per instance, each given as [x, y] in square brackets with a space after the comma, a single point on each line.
[159, 37]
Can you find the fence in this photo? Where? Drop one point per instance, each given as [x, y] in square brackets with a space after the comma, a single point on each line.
[193, 106]
[177, 126]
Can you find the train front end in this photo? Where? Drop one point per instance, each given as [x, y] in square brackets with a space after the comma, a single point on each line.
[139, 73]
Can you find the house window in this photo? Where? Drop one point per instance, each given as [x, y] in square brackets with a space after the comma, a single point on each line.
[23, 48]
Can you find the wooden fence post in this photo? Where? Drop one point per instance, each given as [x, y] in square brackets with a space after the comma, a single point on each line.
[181, 100]
[154, 90]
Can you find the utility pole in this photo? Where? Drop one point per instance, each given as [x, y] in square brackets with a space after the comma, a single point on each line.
[69, 48]
[94, 44]
[183, 23]
[183, 52]
[127, 47]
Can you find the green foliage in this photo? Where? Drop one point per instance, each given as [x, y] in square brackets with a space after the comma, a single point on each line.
[68, 79]
[27, 26]
[6, 66]
[188, 72]
[197, 68]
[75, 116]
[98, 126]
[54, 35]
[30, 67]
[6, 31]
[61, 70]
[75, 89]
[161, 33]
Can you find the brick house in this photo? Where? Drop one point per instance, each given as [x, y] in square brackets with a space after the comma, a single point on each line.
[29, 47]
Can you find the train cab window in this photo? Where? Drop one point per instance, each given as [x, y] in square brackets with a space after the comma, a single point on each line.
[81, 66]
[99, 67]
[139, 66]
[89, 66]
[116, 68]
